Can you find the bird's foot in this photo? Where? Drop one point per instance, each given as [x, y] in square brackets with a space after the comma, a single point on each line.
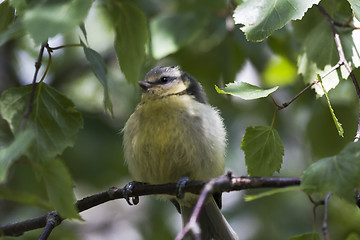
[180, 187]
[128, 190]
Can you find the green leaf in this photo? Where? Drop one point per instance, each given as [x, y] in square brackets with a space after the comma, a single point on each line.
[13, 151]
[262, 17]
[339, 174]
[355, 5]
[20, 5]
[314, 59]
[271, 192]
[306, 236]
[245, 90]
[336, 121]
[263, 150]
[59, 187]
[83, 30]
[279, 71]
[16, 30]
[353, 236]
[319, 54]
[53, 119]
[99, 68]
[172, 31]
[47, 20]
[23, 197]
[131, 37]
[321, 133]
[7, 15]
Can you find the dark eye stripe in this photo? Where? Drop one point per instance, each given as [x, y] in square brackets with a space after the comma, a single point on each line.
[164, 80]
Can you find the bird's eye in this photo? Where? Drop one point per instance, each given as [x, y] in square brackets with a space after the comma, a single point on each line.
[164, 80]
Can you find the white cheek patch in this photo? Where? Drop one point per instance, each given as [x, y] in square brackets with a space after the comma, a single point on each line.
[176, 87]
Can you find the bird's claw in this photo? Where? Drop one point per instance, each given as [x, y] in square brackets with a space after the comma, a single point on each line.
[127, 191]
[180, 187]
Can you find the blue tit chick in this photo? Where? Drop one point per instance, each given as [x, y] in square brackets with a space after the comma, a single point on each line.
[175, 133]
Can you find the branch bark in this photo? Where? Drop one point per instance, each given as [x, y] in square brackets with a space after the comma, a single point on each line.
[52, 220]
[224, 183]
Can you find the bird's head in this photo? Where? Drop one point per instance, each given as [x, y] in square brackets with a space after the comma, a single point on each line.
[162, 82]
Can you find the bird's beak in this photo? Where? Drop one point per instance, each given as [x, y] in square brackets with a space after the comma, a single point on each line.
[145, 85]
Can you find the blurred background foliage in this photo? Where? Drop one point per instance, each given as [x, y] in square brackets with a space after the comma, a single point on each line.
[202, 38]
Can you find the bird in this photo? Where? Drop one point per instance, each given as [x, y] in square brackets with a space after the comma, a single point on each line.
[174, 133]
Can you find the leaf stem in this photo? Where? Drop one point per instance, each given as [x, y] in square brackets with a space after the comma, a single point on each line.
[38, 64]
[347, 23]
[274, 118]
[49, 50]
[316, 204]
[66, 46]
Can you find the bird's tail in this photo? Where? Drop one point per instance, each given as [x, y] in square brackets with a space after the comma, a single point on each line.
[212, 223]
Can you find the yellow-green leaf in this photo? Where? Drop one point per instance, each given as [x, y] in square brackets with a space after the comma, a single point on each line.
[271, 192]
[336, 121]
[279, 71]
[306, 236]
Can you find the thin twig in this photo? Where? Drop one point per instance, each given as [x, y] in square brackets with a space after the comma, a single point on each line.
[32, 93]
[66, 46]
[192, 225]
[49, 50]
[285, 104]
[357, 197]
[343, 61]
[325, 226]
[346, 24]
[275, 103]
[38, 64]
[53, 220]
[223, 184]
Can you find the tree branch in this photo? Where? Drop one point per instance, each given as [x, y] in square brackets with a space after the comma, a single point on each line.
[224, 183]
[53, 219]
